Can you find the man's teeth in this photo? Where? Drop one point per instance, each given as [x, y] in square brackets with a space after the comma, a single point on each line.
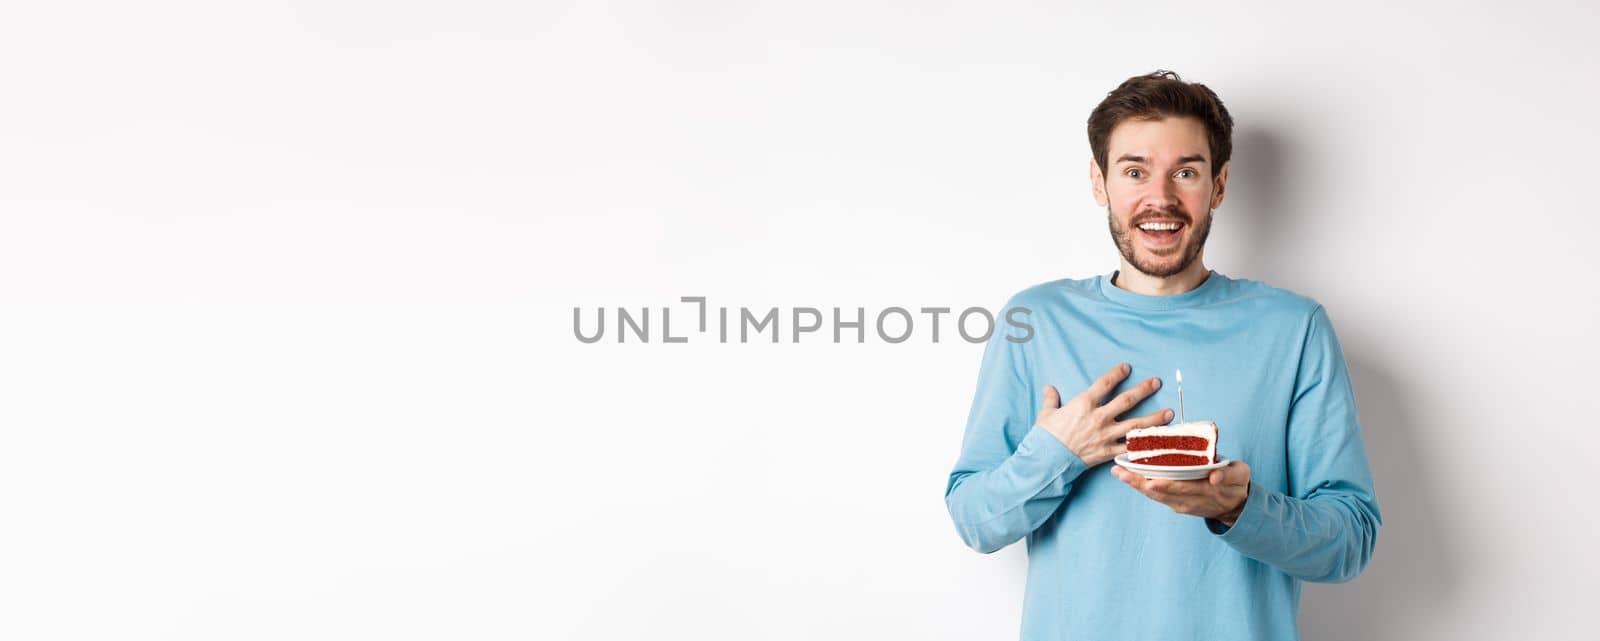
[1159, 226]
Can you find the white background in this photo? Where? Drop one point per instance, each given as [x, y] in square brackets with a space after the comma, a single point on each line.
[287, 347]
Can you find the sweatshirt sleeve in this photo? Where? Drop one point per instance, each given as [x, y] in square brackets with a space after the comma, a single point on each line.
[1011, 474]
[1325, 528]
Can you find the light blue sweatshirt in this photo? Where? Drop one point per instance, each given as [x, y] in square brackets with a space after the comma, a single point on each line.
[1104, 561]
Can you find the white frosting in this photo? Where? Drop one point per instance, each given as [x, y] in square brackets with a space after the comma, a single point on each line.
[1202, 429]
[1150, 453]
[1206, 429]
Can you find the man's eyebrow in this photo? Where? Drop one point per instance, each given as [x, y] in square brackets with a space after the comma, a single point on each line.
[1140, 159]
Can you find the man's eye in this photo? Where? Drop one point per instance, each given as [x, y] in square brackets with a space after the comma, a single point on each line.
[1190, 172]
[1134, 173]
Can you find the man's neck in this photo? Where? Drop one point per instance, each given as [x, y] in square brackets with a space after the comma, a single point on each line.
[1139, 282]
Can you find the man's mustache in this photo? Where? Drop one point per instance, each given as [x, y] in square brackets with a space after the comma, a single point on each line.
[1171, 213]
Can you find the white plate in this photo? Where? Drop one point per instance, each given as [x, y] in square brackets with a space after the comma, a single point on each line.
[1176, 472]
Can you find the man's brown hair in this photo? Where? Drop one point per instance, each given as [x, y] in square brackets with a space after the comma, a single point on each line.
[1156, 95]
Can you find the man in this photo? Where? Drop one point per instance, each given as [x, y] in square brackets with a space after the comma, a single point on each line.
[1111, 554]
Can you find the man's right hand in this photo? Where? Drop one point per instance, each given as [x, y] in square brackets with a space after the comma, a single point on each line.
[1091, 430]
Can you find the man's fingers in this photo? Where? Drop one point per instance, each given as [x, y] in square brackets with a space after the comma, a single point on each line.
[1197, 496]
[1154, 488]
[1128, 477]
[1235, 473]
[1160, 417]
[1173, 487]
[1106, 383]
[1126, 400]
[1052, 398]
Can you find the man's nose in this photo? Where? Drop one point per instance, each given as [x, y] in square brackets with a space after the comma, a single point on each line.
[1164, 195]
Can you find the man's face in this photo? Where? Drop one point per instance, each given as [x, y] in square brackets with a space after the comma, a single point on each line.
[1159, 192]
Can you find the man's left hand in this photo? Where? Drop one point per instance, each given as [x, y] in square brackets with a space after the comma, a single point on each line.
[1220, 496]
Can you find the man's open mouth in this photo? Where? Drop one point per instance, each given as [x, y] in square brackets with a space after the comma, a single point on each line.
[1161, 233]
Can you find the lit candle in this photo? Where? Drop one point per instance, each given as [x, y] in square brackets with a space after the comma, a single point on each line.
[1181, 419]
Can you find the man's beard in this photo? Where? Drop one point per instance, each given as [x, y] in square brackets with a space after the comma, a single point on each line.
[1124, 240]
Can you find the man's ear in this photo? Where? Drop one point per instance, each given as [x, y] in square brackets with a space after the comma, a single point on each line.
[1219, 185]
[1097, 183]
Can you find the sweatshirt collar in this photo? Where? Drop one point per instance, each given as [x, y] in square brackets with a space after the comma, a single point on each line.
[1211, 289]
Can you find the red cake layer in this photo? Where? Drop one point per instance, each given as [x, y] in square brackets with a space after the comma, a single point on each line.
[1174, 459]
[1168, 443]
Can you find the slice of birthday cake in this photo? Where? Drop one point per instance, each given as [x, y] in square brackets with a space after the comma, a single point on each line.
[1193, 443]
